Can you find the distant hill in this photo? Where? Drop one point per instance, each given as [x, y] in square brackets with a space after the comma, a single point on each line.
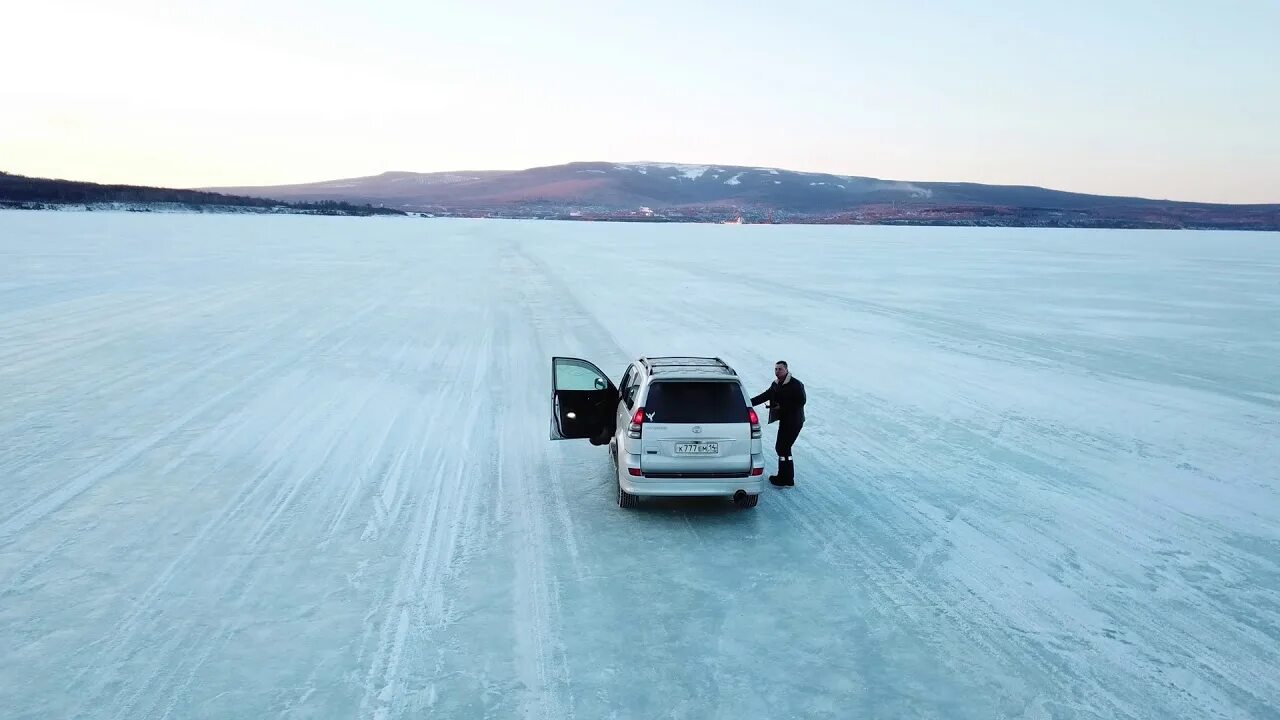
[678, 192]
[18, 191]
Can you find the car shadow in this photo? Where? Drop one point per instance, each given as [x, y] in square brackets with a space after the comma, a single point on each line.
[680, 508]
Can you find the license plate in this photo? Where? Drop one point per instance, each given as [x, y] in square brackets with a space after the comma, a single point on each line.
[697, 448]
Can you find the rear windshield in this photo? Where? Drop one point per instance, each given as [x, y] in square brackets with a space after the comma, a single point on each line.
[695, 402]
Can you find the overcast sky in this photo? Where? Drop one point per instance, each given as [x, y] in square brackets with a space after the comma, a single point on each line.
[1174, 99]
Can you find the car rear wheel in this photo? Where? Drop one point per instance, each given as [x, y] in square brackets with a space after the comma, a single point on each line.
[626, 499]
[748, 501]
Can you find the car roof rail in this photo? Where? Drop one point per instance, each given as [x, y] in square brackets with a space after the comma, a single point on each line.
[685, 362]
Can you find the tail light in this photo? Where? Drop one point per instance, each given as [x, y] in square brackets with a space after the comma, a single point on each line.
[756, 472]
[637, 420]
[755, 423]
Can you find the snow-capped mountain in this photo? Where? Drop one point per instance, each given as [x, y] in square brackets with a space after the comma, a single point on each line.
[611, 189]
[609, 186]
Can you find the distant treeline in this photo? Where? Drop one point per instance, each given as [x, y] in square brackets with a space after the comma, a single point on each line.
[21, 190]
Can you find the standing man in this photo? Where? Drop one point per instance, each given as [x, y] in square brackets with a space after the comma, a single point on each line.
[786, 405]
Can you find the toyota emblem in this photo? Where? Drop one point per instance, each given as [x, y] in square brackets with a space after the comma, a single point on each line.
[697, 428]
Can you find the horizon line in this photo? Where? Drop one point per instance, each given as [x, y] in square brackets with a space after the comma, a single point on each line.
[656, 163]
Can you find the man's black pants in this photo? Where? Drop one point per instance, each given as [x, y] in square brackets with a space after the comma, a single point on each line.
[787, 434]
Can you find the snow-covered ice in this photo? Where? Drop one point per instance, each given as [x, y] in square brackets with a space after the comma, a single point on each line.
[298, 467]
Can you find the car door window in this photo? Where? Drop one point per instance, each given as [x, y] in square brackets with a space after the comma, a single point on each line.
[629, 392]
[573, 374]
[625, 381]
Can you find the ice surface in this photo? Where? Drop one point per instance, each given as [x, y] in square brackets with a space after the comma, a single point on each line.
[284, 466]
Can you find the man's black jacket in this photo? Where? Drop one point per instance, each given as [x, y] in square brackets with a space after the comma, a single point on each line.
[786, 401]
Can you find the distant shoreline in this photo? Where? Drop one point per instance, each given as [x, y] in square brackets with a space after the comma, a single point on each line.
[602, 192]
[183, 209]
[190, 209]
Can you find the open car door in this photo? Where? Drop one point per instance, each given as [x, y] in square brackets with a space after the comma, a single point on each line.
[583, 401]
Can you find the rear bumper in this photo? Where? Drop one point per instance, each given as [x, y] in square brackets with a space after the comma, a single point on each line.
[691, 488]
[701, 485]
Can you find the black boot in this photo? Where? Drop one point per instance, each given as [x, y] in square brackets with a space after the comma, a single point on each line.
[781, 478]
[788, 471]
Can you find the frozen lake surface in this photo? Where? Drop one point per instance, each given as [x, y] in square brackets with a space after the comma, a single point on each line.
[295, 467]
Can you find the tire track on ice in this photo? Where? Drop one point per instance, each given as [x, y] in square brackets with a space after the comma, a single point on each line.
[970, 618]
[50, 502]
[898, 599]
[389, 502]
[288, 492]
[244, 577]
[61, 335]
[57, 316]
[78, 342]
[65, 403]
[437, 529]
[535, 606]
[1059, 620]
[244, 570]
[874, 547]
[307, 478]
[178, 383]
[392, 485]
[527, 462]
[57, 424]
[117, 643]
[418, 573]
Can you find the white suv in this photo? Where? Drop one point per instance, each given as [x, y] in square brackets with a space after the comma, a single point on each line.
[679, 426]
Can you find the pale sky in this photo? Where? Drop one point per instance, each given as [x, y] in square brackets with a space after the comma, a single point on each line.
[1174, 99]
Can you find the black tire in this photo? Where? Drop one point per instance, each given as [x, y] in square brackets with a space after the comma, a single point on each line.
[749, 501]
[626, 500]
